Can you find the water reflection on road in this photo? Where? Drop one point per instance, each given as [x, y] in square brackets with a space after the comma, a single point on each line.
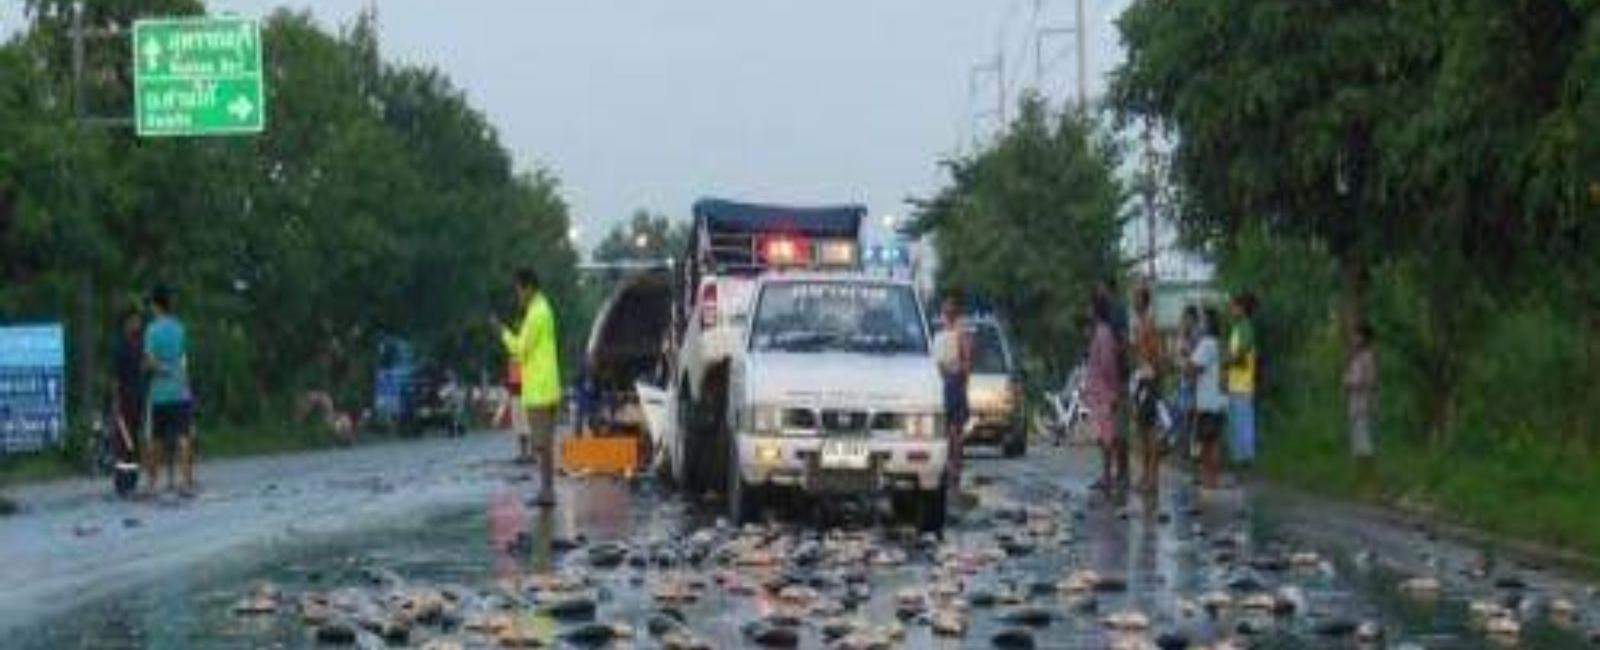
[1169, 555]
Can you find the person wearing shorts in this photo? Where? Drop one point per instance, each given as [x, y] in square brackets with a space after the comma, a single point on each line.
[171, 403]
[533, 346]
[1149, 361]
[1205, 366]
[953, 351]
[1241, 360]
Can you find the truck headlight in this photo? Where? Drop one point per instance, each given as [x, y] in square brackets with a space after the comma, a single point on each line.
[768, 452]
[765, 419]
[923, 425]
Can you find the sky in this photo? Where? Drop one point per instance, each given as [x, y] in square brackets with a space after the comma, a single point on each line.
[654, 103]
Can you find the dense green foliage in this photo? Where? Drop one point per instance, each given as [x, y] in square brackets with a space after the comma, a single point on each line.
[1028, 225]
[377, 203]
[1423, 165]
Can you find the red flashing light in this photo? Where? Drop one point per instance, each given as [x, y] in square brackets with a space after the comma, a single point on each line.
[785, 250]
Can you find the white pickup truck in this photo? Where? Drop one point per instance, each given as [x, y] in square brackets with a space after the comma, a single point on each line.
[835, 392]
[731, 245]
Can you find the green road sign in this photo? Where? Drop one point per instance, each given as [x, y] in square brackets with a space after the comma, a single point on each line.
[197, 76]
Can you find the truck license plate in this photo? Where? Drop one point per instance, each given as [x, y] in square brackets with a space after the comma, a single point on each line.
[845, 454]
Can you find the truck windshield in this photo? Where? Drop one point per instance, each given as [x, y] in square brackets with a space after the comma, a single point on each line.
[867, 317]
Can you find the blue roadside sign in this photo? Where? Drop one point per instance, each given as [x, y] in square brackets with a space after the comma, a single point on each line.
[32, 387]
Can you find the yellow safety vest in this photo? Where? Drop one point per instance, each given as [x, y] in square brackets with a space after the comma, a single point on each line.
[533, 347]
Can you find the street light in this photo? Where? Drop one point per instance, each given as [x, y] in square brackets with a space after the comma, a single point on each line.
[641, 241]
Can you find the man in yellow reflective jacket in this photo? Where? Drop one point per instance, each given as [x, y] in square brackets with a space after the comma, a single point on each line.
[532, 347]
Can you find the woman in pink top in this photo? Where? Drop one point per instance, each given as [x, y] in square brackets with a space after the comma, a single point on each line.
[1103, 383]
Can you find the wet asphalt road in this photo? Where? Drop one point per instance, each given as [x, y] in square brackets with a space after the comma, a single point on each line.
[450, 514]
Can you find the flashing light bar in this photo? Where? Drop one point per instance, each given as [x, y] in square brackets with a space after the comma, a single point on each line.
[785, 250]
[836, 253]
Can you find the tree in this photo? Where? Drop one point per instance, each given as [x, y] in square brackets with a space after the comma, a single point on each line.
[1030, 224]
[1439, 136]
[1280, 109]
[377, 203]
[648, 236]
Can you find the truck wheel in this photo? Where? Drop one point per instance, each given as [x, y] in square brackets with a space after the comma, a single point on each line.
[705, 453]
[719, 443]
[931, 509]
[1016, 443]
[906, 507]
[745, 501]
[686, 467]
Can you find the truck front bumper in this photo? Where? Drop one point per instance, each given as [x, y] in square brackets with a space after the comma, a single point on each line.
[994, 427]
[796, 462]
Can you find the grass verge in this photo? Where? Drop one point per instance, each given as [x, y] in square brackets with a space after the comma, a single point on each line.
[1533, 495]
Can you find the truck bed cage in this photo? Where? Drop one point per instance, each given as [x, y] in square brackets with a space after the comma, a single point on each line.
[731, 228]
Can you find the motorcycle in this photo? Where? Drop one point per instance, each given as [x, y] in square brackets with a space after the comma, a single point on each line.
[1063, 413]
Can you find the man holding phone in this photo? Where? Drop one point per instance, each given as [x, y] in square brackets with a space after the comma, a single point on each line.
[532, 346]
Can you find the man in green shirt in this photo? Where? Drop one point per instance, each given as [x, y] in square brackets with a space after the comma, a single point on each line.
[532, 347]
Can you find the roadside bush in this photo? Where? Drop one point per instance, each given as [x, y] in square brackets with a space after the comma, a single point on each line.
[1528, 386]
[1517, 454]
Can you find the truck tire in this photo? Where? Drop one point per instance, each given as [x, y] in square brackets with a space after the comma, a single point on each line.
[931, 509]
[1016, 442]
[905, 506]
[745, 501]
[718, 447]
[685, 470]
[705, 443]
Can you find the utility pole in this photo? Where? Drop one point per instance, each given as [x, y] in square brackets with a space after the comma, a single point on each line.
[1000, 82]
[82, 121]
[86, 340]
[1080, 31]
[1040, 39]
[995, 67]
[1150, 171]
[1083, 60]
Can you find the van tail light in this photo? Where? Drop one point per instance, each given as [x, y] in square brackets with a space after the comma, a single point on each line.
[708, 305]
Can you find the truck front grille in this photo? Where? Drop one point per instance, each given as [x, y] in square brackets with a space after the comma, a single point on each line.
[843, 422]
[799, 420]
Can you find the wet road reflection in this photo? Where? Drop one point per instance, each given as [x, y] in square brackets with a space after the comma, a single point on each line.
[624, 563]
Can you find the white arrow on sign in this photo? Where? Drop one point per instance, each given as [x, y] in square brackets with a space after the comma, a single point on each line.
[152, 52]
[241, 108]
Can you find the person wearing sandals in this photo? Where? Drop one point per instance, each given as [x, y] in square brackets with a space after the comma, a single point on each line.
[166, 351]
[1149, 358]
[533, 345]
[1102, 388]
[952, 349]
[1204, 367]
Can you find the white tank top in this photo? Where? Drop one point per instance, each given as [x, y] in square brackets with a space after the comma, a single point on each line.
[947, 350]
